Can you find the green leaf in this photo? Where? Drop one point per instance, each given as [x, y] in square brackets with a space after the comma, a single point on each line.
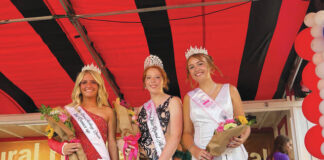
[251, 122]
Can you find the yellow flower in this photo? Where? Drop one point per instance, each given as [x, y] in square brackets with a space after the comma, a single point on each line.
[47, 128]
[49, 131]
[132, 113]
[242, 119]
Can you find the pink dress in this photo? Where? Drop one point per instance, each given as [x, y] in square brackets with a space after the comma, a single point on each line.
[89, 150]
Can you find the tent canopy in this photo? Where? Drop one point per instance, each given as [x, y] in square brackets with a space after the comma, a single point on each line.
[251, 42]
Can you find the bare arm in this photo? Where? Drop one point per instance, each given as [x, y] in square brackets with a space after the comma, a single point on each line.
[112, 146]
[188, 132]
[238, 111]
[175, 129]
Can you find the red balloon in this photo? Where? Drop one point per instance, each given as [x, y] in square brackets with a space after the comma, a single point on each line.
[309, 77]
[314, 140]
[310, 107]
[303, 44]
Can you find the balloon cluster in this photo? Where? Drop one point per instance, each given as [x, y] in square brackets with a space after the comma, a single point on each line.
[309, 45]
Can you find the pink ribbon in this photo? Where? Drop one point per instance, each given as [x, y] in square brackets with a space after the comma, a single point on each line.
[72, 141]
[131, 140]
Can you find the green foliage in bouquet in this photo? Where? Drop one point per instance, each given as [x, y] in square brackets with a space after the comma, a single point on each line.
[57, 114]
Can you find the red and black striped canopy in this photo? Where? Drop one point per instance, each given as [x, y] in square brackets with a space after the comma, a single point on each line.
[250, 41]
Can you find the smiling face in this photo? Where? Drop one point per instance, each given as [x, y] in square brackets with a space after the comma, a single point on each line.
[198, 69]
[89, 86]
[153, 80]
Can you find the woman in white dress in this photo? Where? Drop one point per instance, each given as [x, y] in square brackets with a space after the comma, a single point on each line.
[206, 106]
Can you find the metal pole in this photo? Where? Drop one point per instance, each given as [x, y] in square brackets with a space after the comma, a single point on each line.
[161, 8]
[68, 9]
[151, 9]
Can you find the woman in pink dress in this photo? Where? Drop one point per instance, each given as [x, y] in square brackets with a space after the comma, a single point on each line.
[89, 109]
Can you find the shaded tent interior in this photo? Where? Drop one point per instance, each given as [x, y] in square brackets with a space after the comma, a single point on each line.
[251, 42]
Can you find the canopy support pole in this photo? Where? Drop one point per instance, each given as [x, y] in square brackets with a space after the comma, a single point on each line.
[151, 9]
[101, 64]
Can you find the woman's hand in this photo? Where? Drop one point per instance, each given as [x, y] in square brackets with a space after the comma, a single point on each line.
[235, 142]
[70, 148]
[200, 154]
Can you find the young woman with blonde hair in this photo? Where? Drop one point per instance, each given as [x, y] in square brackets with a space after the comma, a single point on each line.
[94, 122]
[208, 105]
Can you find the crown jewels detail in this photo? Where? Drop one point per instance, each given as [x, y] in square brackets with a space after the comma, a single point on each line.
[153, 60]
[91, 67]
[194, 50]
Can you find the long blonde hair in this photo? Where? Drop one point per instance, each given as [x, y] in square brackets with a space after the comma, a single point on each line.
[102, 95]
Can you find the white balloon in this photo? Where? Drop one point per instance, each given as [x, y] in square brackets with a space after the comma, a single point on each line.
[321, 121]
[322, 93]
[322, 148]
[317, 31]
[320, 85]
[322, 133]
[319, 18]
[317, 44]
[317, 58]
[309, 19]
[321, 107]
[319, 70]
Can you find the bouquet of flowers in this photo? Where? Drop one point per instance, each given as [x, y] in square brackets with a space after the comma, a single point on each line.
[225, 131]
[60, 127]
[127, 125]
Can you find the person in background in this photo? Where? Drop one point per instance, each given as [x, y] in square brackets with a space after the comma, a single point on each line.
[281, 148]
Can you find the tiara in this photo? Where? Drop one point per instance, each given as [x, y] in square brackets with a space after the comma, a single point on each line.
[153, 60]
[194, 50]
[91, 67]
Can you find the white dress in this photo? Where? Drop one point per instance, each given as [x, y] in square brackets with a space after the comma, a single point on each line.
[205, 126]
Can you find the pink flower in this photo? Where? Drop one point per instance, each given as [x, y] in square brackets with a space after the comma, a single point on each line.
[134, 118]
[220, 129]
[230, 121]
[63, 117]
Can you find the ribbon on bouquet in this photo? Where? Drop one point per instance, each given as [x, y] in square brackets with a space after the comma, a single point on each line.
[72, 141]
[131, 140]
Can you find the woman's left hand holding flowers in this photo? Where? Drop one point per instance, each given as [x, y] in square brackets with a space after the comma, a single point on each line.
[235, 142]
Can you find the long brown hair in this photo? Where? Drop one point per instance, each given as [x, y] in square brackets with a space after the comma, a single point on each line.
[279, 145]
[209, 61]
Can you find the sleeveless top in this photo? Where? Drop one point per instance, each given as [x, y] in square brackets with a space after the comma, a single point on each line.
[205, 126]
[147, 149]
[88, 148]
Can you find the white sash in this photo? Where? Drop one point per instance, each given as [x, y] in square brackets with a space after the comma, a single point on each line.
[204, 101]
[154, 127]
[90, 129]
